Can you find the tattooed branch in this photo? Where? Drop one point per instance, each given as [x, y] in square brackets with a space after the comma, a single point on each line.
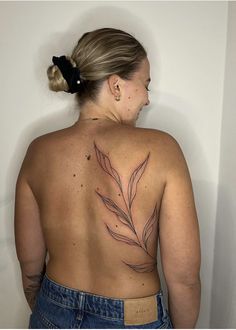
[122, 216]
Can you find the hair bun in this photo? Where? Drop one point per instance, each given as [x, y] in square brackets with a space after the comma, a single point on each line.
[57, 83]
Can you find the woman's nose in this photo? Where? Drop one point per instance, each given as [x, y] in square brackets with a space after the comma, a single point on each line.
[147, 102]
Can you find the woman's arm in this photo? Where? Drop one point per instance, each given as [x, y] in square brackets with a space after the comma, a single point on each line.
[180, 241]
[30, 246]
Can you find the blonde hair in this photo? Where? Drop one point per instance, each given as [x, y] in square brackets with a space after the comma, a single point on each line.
[99, 54]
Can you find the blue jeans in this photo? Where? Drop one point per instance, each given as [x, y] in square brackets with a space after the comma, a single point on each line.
[60, 307]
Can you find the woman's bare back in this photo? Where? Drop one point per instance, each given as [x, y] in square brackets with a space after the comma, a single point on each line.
[99, 189]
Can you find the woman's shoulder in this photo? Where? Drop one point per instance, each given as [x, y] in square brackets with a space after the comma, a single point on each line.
[165, 146]
[43, 142]
[159, 136]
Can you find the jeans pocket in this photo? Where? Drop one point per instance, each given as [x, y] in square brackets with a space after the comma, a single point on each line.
[45, 323]
[95, 321]
[53, 315]
[38, 321]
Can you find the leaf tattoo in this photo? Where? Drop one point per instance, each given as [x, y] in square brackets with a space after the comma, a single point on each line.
[122, 238]
[134, 179]
[149, 226]
[121, 215]
[33, 288]
[115, 209]
[142, 268]
[106, 165]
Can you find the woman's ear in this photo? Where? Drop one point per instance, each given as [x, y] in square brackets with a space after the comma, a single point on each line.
[114, 85]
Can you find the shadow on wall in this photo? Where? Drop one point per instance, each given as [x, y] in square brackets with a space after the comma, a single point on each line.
[169, 119]
[103, 16]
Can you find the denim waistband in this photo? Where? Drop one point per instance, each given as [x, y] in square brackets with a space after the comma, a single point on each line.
[88, 302]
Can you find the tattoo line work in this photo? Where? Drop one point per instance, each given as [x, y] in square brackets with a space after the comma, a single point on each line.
[32, 290]
[126, 217]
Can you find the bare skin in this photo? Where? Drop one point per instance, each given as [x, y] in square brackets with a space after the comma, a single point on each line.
[99, 208]
[99, 196]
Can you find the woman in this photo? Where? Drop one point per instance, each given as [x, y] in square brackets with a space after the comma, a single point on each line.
[99, 195]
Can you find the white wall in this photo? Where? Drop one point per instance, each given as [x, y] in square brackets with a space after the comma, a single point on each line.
[186, 44]
[223, 289]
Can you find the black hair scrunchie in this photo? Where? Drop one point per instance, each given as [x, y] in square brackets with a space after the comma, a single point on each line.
[71, 74]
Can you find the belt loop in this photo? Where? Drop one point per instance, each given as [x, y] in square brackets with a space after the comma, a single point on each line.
[163, 306]
[81, 305]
